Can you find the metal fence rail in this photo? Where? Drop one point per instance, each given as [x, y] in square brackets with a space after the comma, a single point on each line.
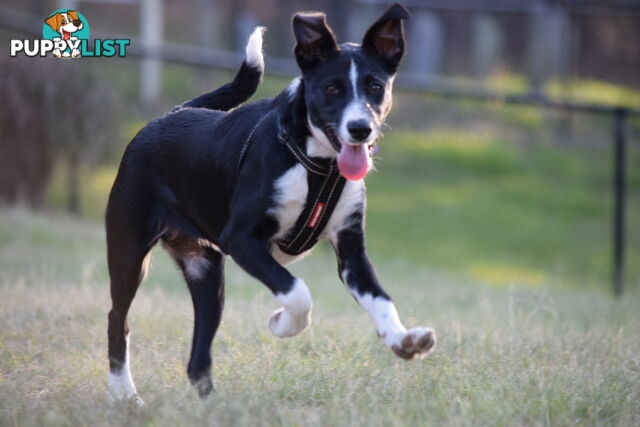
[228, 60]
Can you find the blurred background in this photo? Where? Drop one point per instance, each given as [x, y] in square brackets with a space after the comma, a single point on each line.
[498, 167]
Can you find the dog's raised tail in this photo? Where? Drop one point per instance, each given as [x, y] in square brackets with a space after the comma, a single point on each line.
[253, 50]
[244, 83]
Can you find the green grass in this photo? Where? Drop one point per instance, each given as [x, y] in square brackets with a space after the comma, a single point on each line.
[571, 89]
[506, 355]
[504, 212]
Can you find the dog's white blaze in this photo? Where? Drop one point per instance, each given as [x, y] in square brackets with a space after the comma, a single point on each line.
[295, 316]
[355, 110]
[351, 200]
[353, 76]
[254, 56]
[121, 384]
[382, 311]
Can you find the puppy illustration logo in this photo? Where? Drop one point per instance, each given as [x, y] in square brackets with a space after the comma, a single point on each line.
[65, 34]
[66, 28]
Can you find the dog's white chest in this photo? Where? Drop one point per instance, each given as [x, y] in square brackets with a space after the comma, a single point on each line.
[290, 194]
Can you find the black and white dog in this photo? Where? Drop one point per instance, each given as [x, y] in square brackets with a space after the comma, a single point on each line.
[261, 183]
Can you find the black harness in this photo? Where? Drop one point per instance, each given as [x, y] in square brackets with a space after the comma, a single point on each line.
[325, 187]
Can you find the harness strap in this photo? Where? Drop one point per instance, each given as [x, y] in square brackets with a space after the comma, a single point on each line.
[247, 142]
[325, 185]
[317, 166]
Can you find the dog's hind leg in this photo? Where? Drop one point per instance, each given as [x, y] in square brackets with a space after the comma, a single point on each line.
[128, 252]
[203, 269]
[124, 283]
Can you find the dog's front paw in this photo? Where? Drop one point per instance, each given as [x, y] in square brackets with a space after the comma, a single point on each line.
[296, 314]
[416, 343]
[136, 401]
[283, 324]
[117, 398]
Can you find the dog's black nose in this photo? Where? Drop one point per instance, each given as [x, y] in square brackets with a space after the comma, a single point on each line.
[77, 22]
[359, 129]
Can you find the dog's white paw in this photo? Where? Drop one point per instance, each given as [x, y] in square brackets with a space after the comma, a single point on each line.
[295, 317]
[283, 324]
[120, 388]
[415, 343]
[137, 401]
[133, 399]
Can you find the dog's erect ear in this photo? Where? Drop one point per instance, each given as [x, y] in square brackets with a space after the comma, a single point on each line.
[54, 22]
[315, 40]
[74, 14]
[385, 38]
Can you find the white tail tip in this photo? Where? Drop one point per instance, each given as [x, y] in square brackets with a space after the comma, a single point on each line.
[254, 49]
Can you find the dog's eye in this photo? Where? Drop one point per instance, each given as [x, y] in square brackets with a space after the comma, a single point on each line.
[332, 89]
[375, 87]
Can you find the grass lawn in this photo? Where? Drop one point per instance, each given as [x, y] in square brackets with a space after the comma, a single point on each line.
[501, 212]
[509, 355]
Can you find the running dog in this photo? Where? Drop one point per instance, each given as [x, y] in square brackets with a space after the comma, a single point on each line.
[261, 183]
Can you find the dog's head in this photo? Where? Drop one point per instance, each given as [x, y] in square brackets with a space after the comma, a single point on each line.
[347, 88]
[65, 23]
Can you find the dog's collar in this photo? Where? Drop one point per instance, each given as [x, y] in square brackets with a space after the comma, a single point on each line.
[315, 165]
[247, 142]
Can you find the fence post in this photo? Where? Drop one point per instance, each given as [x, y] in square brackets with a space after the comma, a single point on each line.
[426, 42]
[151, 17]
[619, 194]
[206, 24]
[486, 44]
[67, 4]
[338, 14]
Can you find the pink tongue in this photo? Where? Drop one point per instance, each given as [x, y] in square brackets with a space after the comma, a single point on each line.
[353, 162]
